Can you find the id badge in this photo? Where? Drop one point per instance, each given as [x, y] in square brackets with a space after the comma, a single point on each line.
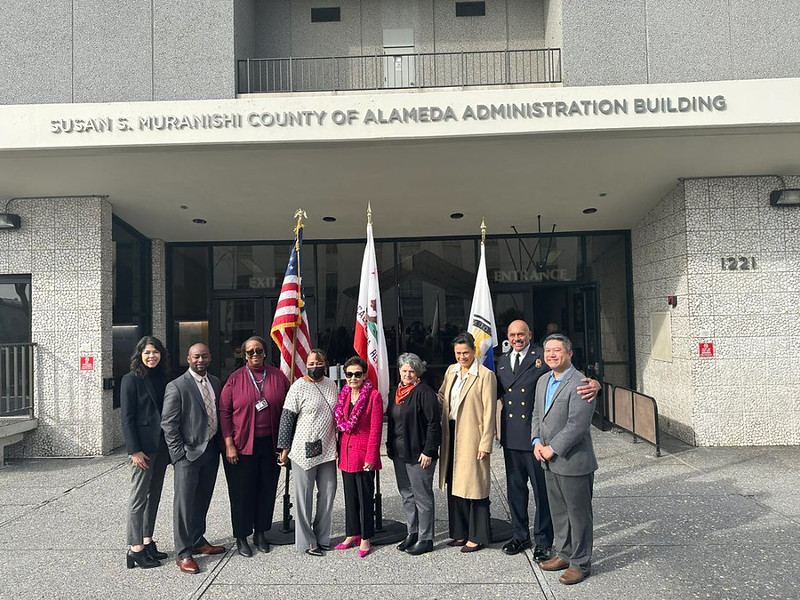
[261, 405]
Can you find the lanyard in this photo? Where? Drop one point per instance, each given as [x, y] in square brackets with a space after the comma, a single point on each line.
[260, 390]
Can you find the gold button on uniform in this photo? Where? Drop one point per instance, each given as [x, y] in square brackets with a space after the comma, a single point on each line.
[509, 402]
[523, 416]
[510, 416]
[523, 390]
[523, 404]
[510, 390]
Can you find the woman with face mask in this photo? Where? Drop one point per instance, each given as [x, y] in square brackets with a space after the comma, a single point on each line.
[307, 437]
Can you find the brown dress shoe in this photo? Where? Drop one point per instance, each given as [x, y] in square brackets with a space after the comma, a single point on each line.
[554, 564]
[572, 576]
[187, 565]
[209, 549]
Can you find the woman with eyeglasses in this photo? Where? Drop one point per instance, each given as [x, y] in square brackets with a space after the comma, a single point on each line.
[307, 437]
[359, 417]
[250, 409]
[468, 396]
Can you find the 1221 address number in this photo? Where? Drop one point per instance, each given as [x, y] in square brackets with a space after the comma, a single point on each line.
[738, 263]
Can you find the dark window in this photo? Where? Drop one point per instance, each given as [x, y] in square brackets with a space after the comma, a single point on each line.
[131, 297]
[15, 309]
[333, 13]
[470, 9]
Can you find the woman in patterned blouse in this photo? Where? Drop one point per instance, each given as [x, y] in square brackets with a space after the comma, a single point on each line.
[307, 437]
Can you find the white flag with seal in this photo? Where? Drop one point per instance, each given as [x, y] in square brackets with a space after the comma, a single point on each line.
[481, 317]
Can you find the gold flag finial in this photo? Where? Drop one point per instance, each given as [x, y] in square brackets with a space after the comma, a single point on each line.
[483, 230]
[299, 214]
[369, 212]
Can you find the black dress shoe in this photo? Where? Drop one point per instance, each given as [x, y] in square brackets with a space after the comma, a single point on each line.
[140, 559]
[541, 553]
[410, 540]
[324, 547]
[421, 547]
[243, 547]
[314, 552]
[466, 548]
[153, 552]
[515, 546]
[261, 542]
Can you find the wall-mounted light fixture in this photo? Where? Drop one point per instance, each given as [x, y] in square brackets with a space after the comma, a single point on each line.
[790, 197]
[9, 221]
[784, 196]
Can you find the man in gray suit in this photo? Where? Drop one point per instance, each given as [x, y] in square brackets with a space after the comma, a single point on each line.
[563, 445]
[191, 424]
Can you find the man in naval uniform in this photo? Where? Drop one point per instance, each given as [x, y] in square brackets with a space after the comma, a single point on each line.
[517, 374]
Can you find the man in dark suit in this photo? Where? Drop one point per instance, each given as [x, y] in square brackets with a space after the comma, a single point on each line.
[190, 421]
[517, 374]
[562, 444]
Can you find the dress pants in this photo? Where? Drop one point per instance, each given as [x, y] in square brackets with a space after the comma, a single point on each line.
[415, 485]
[468, 519]
[571, 507]
[308, 533]
[359, 504]
[522, 467]
[194, 485]
[146, 494]
[252, 484]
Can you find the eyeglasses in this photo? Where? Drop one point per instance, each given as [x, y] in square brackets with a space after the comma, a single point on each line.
[356, 374]
[254, 352]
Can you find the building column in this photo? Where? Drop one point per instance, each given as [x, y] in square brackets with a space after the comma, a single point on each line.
[159, 283]
[65, 245]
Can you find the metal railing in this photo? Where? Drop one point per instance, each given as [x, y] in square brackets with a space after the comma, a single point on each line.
[634, 412]
[16, 380]
[401, 71]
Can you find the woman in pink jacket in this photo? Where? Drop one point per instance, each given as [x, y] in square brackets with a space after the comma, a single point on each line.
[359, 416]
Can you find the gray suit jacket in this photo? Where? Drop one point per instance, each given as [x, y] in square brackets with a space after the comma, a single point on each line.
[565, 426]
[184, 418]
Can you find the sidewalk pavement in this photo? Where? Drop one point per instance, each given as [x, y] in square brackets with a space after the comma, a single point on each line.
[714, 523]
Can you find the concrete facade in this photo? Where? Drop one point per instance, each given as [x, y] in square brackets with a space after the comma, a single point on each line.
[750, 316]
[90, 51]
[647, 41]
[65, 245]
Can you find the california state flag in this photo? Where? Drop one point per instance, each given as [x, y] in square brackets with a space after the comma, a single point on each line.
[370, 341]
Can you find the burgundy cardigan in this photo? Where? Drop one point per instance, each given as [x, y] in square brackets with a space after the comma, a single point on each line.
[363, 444]
[237, 406]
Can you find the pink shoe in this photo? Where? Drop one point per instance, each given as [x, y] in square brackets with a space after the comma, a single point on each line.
[363, 553]
[356, 540]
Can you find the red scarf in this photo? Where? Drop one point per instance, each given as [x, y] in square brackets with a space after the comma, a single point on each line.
[403, 391]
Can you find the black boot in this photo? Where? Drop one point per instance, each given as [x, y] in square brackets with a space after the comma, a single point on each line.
[243, 547]
[261, 542]
[141, 559]
[153, 552]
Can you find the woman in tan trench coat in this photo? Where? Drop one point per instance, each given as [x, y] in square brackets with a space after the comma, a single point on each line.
[468, 397]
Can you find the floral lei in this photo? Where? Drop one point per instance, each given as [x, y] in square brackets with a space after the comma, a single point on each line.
[347, 425]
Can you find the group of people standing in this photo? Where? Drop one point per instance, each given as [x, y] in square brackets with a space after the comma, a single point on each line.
[259, 423]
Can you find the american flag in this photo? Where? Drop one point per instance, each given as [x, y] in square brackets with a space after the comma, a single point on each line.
[290, 324]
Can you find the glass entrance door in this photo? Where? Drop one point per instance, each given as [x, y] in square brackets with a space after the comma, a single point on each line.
[233, 320]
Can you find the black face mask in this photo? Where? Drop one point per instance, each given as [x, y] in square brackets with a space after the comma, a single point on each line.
[316, 372]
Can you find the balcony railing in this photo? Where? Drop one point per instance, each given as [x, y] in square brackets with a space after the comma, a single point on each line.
[16, 380]
[401, 71]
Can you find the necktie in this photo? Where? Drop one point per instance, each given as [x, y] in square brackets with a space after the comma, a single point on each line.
[516, 363]
[212, 425]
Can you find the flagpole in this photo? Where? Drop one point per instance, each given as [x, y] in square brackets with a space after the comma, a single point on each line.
[299, 214]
